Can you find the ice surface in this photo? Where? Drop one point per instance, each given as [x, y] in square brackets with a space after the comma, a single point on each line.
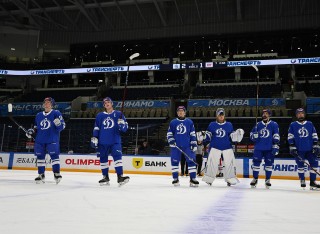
[150, 204]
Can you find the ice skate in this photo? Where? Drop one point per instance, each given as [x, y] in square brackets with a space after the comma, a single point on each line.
[175, 182]
[254, 183]
[303, 184]
[104, 181]
[122, 180]
[57, 177]
[194, 183]
[220, 175]
[268, 184]
[40, 178]
[314, 185]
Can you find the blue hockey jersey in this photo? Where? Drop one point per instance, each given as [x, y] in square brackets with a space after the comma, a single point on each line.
[182, 133]
[47, 131]
[219, 135]
[302, 135]
[268, 135]
[107, 129]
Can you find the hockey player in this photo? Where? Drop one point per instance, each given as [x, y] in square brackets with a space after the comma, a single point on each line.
[266, 138]
[220, 134]
[181, 134]
[48, 125]
[200, 150]
[303, 144]
[107, 140]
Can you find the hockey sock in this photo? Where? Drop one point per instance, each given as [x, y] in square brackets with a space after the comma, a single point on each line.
[255, 171]
[175, 175]
[268, 172]
[301, 173]
[313, 175]
[118, 167]
[41, 163]
[56, 165]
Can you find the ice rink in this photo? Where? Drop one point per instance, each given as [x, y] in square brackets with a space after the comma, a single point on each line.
[150, 204]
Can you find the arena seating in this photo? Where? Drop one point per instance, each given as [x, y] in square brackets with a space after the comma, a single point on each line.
[58, 95]
[237, 91]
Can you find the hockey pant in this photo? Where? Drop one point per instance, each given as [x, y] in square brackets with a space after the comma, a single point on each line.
[53, 149]
[212, 169]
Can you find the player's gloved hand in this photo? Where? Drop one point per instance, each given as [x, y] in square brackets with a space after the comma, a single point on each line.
[94, 142]
[275, 150]
[121, 123]
[316, 150]
[57, 122]
[172, 144]
[194, 148]
[30, 132]
[240, 133]
[255, 135]
[293, 150]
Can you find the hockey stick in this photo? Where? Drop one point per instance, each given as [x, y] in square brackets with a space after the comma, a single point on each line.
[186, 155]
[126, 82]
[308, 164]
[257, 92]
[13, 120]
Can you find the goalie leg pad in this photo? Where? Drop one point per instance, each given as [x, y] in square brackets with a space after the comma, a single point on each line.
[212, 166]
[230, 167]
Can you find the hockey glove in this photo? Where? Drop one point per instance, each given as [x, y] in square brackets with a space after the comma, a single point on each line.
[57, 122]
[275, 150]
[237, 135]
[172, 144]
[240, 133]
[293, 151]
[121, 124]
[193, 148]
[94, 142]
[255, 136]
[316, 150]
[30, 132]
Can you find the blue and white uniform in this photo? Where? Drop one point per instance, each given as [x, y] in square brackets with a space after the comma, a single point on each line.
[303, 136]
[181, 133]
[266, 146]
[107, 131]
[220, 136]
[48, 139]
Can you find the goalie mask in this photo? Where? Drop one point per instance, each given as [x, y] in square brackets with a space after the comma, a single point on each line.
[49, 99]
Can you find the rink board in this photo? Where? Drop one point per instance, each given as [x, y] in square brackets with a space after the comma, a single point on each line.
[136, 164]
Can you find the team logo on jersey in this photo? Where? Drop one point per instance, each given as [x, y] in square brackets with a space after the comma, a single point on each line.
[137, 162]
[108, 123]
[264, 133]
[220, 132]
[303, 132]
[45, 124]
[181, 129]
